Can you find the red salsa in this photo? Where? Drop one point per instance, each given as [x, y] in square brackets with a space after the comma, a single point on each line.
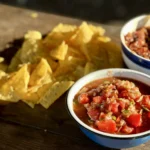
[114, 105]
[139, 41]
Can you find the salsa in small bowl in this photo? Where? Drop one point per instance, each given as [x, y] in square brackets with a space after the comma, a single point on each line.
[112, 107]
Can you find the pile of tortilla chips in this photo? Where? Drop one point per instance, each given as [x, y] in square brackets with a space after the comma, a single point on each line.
[45, 68]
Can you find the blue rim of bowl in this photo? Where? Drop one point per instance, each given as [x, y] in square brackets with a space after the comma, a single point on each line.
[101, 134]
[135, 59]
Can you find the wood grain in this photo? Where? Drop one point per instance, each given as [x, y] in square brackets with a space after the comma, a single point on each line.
[23, 128]
[18, 137]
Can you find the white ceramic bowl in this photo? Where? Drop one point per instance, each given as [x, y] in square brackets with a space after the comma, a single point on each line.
[141, 62]
[107, 139]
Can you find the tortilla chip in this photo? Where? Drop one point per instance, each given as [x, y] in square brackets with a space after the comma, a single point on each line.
[74, 52]
[32, 98]
[64, 28]
[86, 52]
[97, 30]
[114, 56]
[89, 67]
[3, 74]
[54, 92]
[104, 39]
[3, 66]
[1, 59]
[33, 35]
[78, 72]
[6, 91]
[41, 71]
[60, 52]
[32, 105]
[83, 34]
[62, 69]
[15, 62]
[19, 81]
[14, 86]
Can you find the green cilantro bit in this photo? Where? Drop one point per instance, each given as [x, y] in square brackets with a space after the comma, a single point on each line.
[125, 112]
[132, 103]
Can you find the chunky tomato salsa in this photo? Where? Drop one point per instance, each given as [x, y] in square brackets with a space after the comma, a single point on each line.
[139, 42]
[114, 105]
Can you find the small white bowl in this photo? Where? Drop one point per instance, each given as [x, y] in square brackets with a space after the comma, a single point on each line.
[102, 138]
[143, 64]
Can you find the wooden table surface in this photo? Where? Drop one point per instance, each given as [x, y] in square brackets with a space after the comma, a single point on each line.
[23, 128]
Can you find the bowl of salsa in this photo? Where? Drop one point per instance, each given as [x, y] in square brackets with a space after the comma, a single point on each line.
[135, 41]
[112, 107]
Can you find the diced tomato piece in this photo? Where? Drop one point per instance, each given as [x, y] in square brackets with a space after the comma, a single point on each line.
[122, 104]
[113, 107]
[97, 99]
[146, 101]
[102, 116]
[135, 120]
[124, 94]
[106, 126]
[127, 129]
[138, 106]
[133, 93]
[118, 119]
[83, 98]
[93, 113]
[148, 114]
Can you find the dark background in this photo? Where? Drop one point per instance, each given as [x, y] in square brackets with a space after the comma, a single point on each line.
[103, 11]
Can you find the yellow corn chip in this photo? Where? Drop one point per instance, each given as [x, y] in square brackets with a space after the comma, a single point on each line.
[83, 35]
[97, 30]
[3, 66]
[15, 62]
[32, 98]
[89, 67]
[104, 39]
[54, 92]
[64, 28]
[60, 52]
[15, 85]
[33, 35]
[86, 52]
[79, 72]
[41, 71]
[1, 59]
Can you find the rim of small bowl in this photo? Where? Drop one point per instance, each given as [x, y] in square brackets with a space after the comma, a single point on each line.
[108, 135]
[122, 36]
